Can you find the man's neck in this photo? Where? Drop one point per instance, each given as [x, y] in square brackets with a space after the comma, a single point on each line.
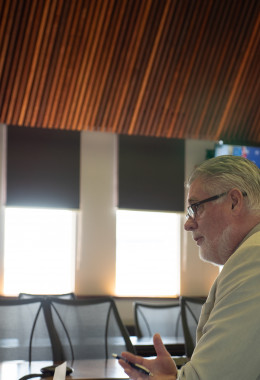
[249, 225]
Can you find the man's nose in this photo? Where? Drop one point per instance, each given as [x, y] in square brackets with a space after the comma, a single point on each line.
[190, 224]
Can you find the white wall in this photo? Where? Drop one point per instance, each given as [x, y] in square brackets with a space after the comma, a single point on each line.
[95, 267]
[2, 199]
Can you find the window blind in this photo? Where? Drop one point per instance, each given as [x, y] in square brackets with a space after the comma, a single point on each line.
[151, 173]
[42, 167]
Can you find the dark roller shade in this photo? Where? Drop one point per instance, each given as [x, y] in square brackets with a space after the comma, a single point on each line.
[43, 167]
[151, 173]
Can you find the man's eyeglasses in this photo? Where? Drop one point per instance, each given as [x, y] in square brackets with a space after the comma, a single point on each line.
[193, 209]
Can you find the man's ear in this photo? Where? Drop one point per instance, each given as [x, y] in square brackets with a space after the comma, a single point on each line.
[236, 200]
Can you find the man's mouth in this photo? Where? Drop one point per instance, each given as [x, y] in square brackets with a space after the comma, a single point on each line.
[198, 239]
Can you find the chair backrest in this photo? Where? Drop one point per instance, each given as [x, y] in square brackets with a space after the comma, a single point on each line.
[23, 330]
[164, 319]
[63, 296]
[190, 312]
[89, 328]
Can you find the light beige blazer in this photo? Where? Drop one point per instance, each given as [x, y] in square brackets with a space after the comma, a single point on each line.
[228, 335]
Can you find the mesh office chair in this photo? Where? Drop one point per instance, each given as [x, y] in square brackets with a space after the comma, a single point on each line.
[164, 319]
[190, 313]
[89, 328]
[23, 330]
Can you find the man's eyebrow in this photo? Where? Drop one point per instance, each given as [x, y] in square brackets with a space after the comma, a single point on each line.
[192, 200]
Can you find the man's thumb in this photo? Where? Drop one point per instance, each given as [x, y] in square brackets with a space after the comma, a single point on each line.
[159, 346]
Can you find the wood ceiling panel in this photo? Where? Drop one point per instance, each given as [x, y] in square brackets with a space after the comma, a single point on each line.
[165, 68]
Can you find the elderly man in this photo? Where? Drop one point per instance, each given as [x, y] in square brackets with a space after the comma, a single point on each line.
[224, 219]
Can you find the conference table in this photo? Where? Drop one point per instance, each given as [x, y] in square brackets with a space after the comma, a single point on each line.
[93, 368]
[88, 369]
[82, 369]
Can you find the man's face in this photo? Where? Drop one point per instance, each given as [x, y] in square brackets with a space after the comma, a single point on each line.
[211, 227]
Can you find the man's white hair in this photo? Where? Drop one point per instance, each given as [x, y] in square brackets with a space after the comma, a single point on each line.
[223, 173]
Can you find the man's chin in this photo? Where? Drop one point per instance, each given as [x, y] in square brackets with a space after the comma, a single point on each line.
[218, 251]
[207, 257]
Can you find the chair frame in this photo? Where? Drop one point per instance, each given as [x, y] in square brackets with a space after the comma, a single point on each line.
[189, 345]
[63, 295]
[81, 302]
[20, 301]
[152, 306]
[47, 305]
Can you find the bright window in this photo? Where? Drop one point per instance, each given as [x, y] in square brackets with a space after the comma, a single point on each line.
[39, 251]
[147, 253]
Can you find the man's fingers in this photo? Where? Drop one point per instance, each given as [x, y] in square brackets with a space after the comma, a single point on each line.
[132, 373]
[131, 357]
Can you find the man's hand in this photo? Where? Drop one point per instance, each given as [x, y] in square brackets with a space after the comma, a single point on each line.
[162, 368]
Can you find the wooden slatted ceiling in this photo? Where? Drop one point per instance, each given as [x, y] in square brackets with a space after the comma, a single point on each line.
[168, 68]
